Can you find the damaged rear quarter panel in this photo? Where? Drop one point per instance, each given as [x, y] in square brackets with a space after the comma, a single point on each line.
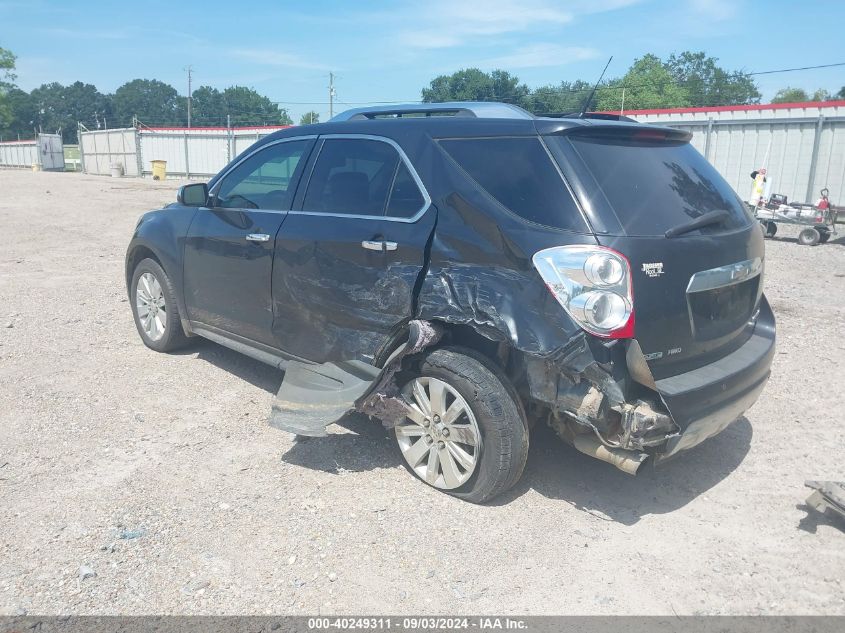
[480, 271]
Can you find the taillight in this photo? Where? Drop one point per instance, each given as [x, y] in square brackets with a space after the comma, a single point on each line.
[593, 285]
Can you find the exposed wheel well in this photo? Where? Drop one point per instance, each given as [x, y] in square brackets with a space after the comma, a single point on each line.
[466, 336]
[500, 353]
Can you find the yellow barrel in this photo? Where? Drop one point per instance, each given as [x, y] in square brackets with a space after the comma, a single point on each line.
[159, 169]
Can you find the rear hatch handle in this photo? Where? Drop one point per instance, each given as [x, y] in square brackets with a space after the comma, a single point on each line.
[711, 217]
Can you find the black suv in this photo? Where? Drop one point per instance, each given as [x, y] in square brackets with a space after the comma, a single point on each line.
[462, 270]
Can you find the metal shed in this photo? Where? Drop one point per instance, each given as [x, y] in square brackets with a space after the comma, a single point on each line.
[189, 152]
[805, 143]
[45, 150]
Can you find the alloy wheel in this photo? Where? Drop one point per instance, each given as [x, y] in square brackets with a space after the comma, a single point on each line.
[152, 310]
[439, 439]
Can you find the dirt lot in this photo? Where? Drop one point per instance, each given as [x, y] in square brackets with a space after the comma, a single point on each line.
[133, 482]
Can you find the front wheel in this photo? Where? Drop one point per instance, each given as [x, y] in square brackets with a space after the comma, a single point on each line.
[466, 433]
[154, 307]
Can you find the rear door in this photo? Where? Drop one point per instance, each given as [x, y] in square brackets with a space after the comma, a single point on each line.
[229, 247]
[695, 293]
[348, 258]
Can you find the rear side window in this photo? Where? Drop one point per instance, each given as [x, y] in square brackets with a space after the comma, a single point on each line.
[405, 196]
[654, 185]
[352, 176]
[519, 174]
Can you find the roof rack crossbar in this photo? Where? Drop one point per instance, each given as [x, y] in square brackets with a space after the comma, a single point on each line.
[475, 109]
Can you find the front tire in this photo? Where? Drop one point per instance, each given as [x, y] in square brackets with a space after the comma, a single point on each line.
[154, 308]
[467, 434]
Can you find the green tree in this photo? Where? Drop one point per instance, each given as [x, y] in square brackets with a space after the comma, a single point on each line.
[469, 84]
[647, 84]
[207, 107]
[83, 103]
[506, 87]
[24, 115]
[790, 95]
[153, 102]
[708, 84]
[840, 94]
[563, 98]
[309, 117]
[820, 95]
[246, 107]
[58, 108]
[7, 76]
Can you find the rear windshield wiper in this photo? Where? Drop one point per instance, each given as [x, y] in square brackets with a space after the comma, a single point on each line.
[711, 217]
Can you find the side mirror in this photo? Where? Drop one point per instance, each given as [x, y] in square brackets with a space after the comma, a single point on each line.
[193, 195]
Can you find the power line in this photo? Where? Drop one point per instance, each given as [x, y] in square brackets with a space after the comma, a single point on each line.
[790, 70]
[694, 80]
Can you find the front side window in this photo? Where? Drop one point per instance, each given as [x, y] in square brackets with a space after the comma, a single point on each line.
[352, 176]
[265, 180]
[519, 174]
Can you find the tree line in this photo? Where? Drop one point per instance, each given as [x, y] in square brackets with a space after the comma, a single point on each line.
[687, 79]
[54, 107]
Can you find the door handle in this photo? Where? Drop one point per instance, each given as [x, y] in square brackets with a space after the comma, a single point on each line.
[257, 237]
[374, 245]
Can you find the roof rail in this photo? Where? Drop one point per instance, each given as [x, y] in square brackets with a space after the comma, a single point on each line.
[475, 109]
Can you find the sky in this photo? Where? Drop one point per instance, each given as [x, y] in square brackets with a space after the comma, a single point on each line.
[383, 51]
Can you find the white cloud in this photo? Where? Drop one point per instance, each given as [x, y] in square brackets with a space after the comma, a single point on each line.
[538, 56]
[452, 23]
[88, 34]
[446, 23]
[269, 57]
[717, 10]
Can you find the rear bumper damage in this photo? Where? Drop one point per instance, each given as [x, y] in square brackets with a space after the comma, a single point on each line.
[659, 418]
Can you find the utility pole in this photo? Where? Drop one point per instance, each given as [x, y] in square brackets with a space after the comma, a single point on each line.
[332, 94]
[189, 69]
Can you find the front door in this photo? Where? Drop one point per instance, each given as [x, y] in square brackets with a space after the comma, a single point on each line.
[347, 262]
[229, 246]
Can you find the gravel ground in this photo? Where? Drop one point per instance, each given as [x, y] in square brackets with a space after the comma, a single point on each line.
[136, 483]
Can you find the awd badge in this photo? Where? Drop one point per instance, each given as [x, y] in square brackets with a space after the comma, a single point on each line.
[655, 269]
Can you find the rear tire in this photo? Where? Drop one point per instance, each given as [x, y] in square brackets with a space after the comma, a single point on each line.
[770, 229]
[152, 297]
[809, 237]
[483, 451]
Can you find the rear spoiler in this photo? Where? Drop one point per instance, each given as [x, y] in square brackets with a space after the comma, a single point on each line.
[602, 116]
[623, 130]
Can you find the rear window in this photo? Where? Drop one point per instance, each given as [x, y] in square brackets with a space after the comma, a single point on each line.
[654, 185]
[519, 174]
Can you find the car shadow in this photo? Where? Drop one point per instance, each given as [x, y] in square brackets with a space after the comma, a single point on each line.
[811, 522]
[558, 471]
[253, 371]
[554, 469]
[364, 446]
